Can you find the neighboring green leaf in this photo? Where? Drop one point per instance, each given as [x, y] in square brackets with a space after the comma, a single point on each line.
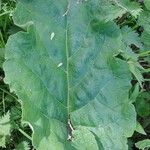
[132, 7]
[22, 146]
[144, 21]
[131, 37]
[140, 129]
[112, 9]
[144, 54]
[143, 104]
[4, 129]
[146, 38]
[136, 68]
[135, 93]
[66, 74]
[143, 144]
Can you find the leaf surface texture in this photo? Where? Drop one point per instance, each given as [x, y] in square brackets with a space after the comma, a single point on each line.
[66, 74]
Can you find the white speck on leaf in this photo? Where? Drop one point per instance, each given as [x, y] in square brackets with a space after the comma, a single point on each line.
[52, 35]
[59, 65]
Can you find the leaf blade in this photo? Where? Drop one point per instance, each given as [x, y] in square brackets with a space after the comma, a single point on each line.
[52, 93]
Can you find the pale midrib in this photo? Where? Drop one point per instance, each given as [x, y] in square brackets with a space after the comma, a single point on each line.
[67, 69]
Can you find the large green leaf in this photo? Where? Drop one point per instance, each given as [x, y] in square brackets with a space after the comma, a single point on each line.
[147, 4]
[74, 91]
